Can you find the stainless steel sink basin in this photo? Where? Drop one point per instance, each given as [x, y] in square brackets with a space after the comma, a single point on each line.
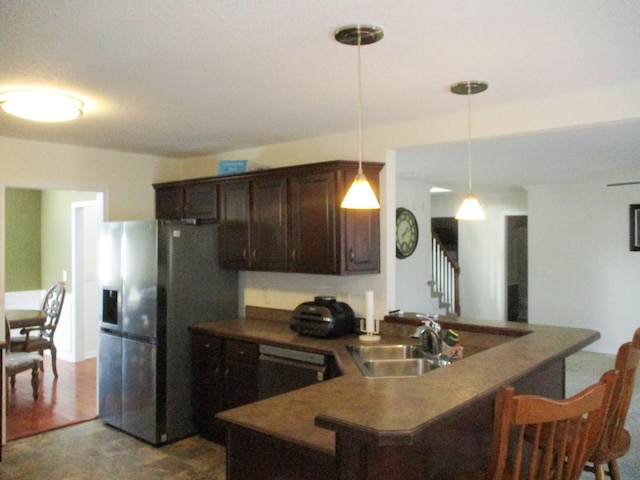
[386, 352]
[382, 361]
[411, 367]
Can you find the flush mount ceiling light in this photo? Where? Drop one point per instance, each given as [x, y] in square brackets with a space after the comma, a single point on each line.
[360, 194]
[470, 208]
[41, 105]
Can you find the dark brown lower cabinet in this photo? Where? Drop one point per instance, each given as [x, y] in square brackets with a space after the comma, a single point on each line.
[208, 385]
[225, 375]
[253, 455]
[241, 373]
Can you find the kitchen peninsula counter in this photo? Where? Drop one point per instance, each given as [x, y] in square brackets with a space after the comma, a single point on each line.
[361, 425]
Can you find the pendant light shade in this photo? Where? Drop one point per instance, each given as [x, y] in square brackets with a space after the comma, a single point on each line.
[41, 106]
[360, 194]
[470, 208]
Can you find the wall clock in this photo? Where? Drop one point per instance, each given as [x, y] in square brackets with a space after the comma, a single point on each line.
[406, 233]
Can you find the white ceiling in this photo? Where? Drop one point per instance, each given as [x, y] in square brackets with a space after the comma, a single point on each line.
[187, 78]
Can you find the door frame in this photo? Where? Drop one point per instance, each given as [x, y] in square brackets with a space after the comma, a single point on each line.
[78, 283]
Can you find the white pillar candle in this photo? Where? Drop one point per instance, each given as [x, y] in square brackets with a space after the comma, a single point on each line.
[370, 312]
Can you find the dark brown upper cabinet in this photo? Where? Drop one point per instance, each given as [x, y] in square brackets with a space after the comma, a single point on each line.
[187, 201]
[287, 219]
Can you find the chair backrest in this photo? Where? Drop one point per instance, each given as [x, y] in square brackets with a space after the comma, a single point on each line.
[536, 437]
[627, 361]
[52, 306]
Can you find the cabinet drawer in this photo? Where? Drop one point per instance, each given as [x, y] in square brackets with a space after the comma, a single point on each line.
[241, 351]
[206, 344]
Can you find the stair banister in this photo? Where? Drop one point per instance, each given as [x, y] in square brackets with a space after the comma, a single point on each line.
[446, 272]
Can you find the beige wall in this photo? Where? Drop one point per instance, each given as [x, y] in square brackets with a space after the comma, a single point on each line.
[126, 178]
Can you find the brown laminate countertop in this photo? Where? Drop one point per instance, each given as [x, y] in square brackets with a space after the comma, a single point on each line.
[391, 411]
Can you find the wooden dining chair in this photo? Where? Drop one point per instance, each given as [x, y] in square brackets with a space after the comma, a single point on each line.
[18, 362]
[38, 339]
[616, 441]
[538, 438]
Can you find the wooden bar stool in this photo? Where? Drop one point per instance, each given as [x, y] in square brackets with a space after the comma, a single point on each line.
[540, 438]
[616, 441]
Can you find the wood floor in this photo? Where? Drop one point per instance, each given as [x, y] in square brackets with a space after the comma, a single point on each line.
[67, 400]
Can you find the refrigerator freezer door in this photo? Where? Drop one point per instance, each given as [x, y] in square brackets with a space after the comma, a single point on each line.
[139, 393]
[110, 379]
[139, 279]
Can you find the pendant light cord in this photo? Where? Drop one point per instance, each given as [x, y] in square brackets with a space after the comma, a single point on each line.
[359, 106]
[469, 132]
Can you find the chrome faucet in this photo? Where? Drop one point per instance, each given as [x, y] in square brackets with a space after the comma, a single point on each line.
[430, 334]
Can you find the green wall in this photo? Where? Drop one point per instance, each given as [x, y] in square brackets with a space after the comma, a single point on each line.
[22, 239]
[56, 234]
[38, 237]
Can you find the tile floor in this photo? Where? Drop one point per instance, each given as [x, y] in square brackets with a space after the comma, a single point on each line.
[93, 451]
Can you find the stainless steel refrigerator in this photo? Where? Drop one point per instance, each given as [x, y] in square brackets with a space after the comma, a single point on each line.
[157, 278]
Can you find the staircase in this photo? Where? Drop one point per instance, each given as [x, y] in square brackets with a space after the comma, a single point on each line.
[445, 273]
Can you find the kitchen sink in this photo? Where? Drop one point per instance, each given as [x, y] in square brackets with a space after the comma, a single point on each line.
[384, 361]
[411, 367]
[386, 352]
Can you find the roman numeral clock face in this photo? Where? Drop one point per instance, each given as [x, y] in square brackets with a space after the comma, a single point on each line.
[406, 233]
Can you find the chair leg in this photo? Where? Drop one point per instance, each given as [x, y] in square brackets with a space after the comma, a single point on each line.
[34, 381]
[599, 471]
[41, 352]
[613, 469]
[54, 354]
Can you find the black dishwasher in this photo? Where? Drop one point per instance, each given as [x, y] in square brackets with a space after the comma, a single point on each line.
[282, 370]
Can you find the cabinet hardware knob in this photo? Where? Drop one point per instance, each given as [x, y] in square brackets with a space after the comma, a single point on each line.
[352, 255]
[244, 253]
[293, 254]
[253, 254]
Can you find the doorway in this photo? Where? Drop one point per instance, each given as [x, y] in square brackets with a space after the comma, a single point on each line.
[517, 268]
[446, 228]
[51, 235]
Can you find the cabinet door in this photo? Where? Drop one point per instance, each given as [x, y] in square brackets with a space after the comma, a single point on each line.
[169, 203]
[313, 229]
[241, 385]
[201, 201]
[360, 242]
[268, 228]
[208, 386]
[241, 373]
[234, 225]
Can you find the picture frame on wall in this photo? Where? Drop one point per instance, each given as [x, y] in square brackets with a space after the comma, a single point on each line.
[634, 227]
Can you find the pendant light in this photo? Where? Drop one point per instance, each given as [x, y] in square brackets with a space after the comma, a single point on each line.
[470, 208]
[360, 194]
